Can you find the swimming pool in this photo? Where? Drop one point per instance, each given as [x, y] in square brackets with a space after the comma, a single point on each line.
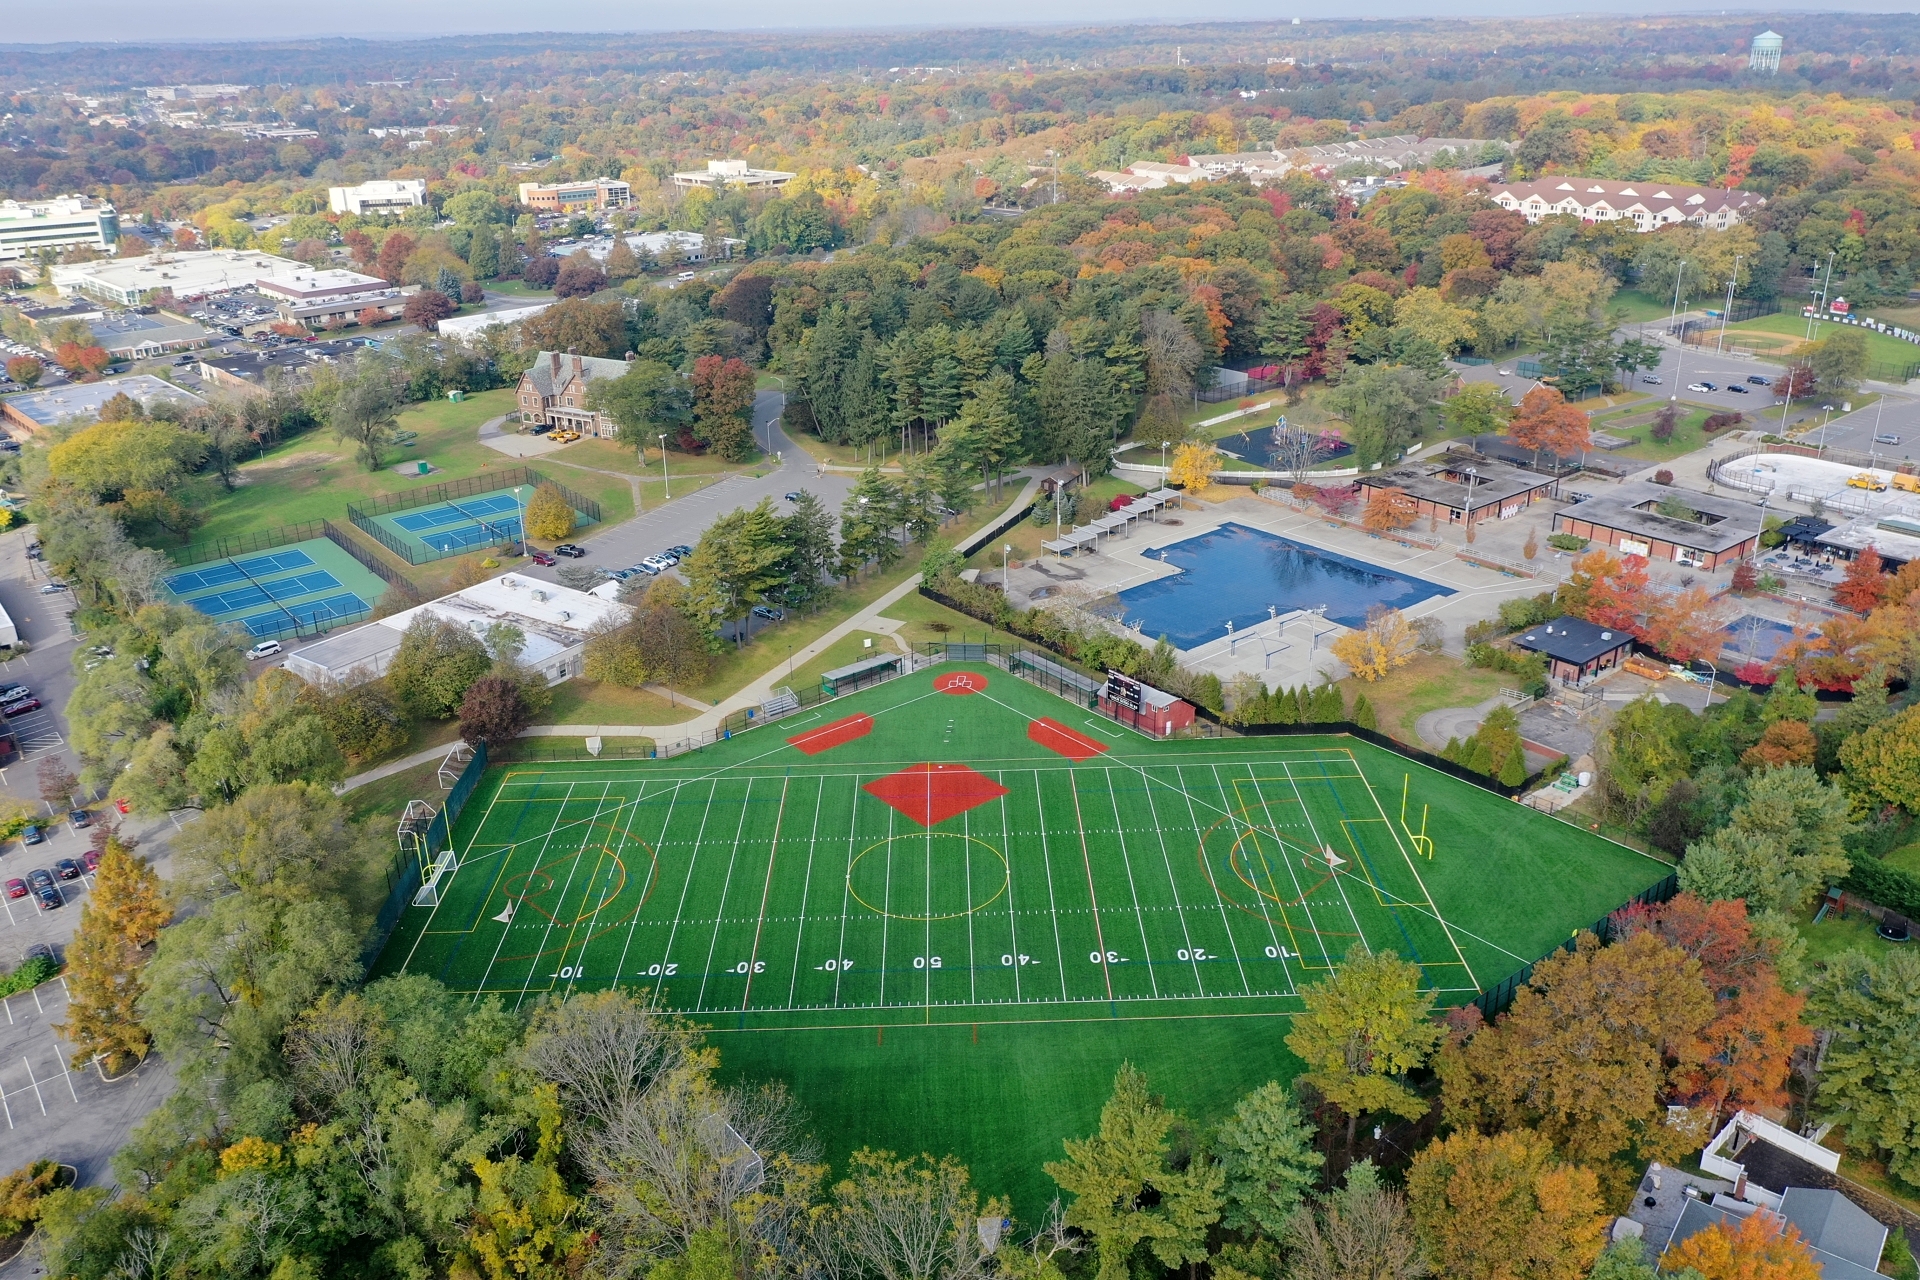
[1234, 573]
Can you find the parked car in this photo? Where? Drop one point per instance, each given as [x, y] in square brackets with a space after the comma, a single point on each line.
[80, 818]
[20, 708]
[659, 563]
[1651, 379]
[770, 613]
[1701, 386]
[1886, 439]
[90, 859]
[49, 898]
[681, 551]
[67, 869]
[16, 888]
[794, 496]
[571, 551]
[53, 588]
[544, 558]
[1755, 380]
[10, 690]
[1737, 389]
[265, 649]
[40, 878]
[31, 834]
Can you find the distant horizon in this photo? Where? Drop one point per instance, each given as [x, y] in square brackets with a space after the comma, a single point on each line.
[232, 23]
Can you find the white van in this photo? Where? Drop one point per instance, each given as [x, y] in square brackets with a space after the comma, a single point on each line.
[265, 649]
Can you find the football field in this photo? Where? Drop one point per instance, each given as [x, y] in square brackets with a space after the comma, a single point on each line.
[959, 847]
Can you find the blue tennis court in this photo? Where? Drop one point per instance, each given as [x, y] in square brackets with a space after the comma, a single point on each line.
[465, 511]
[221, 572]
[1758, 638]
[309, 615]
[241, 598]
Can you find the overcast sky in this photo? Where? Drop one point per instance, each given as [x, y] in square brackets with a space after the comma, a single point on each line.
[37, 21]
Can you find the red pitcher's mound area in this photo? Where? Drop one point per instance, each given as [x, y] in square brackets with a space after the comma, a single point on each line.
[1054, 736]
[829, 736]
[932, 793]
[960, 682]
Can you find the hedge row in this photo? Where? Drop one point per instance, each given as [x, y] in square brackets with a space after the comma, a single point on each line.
[1890, 887]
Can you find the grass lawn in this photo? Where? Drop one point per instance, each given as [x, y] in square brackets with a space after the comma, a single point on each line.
[517, 289]
[1906, 858]
[1632, 306]
[1636, 424]
[923, 620]
[1428, 683]
[925, 979]
[1780, 334]
[314, 476]
[591, 702]
[1834, 935]
[385, 798]
[849, 648]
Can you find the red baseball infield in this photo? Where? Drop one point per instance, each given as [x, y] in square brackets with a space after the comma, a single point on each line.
[1054, 736]
[829, 736]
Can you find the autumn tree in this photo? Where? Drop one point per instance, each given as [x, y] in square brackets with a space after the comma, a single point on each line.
[1364, 1027]
[1385, 643]
[1882, 765]
[428, 308]
[550, 516]
[492, 710]
[26, 371]
[1588, 1052]
[1865, 583]
[1617, 600]
[1387, 510]
[1128, 1191]
[1762, 1246]
[1686, 625]
[1193, 466]
[1785, 742]
[1545, 421]
[723, 392]
[1591, 569]
[1747, 1049]
[1360, 1232]
[1504, 1208]
[119, 922]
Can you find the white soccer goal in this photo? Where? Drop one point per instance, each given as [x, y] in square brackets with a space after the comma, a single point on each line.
[443, 868]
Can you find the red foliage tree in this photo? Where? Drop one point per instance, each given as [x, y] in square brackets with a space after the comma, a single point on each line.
[84, 363]
[1745, 578]
[1797, 383]
[1617, 600]
[1755, 673]
[361, 246]
[579, 277]
[492, 710]
[428, 308]
[1864, 585]
[1685, 625]
[394, 252]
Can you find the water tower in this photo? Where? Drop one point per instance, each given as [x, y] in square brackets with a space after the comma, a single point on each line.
[1766, 53]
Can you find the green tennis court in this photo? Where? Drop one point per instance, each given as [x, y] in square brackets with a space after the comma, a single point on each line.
[454, 525]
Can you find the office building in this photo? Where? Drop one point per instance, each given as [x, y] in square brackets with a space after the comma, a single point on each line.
[733, 173]
[82, 402]
[315, 297]
[27, 227]
[376, 198]
[128, 282]
[592, 195]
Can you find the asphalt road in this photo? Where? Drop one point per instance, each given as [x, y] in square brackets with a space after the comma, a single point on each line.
[1676, 371]
[683, 520]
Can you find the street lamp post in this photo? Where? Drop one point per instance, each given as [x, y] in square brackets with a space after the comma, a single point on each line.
[1720, 346]
[1005, 551]
[1823, 429]
[665, 480]
[1473, 477]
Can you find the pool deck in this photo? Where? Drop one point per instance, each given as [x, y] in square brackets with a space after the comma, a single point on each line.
[1293, 648]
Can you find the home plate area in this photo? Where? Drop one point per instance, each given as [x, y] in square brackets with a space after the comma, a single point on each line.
[960, 846]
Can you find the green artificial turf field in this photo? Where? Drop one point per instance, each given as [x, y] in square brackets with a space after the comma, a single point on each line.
[946, 916]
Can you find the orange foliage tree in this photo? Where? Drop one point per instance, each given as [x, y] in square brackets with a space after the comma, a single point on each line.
[1686, 625]
[1785, 742]
[1865, 583]
[1387, 510]
[1546, 421]
[1763, 1247]
[1617, 602]
[1746, 1049]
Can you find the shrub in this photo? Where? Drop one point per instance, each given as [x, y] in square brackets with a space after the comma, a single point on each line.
[1720, 421]
[29, 975]
[1663, 476]
[21, 1192]
[1566, 542]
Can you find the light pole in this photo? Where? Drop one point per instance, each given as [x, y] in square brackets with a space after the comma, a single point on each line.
[1473, 478]
[1720, 346]
[1672, 323]
[1005, 551]
[1823, 429]
[664, 479]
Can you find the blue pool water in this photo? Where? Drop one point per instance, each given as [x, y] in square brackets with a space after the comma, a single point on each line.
[1233, 573]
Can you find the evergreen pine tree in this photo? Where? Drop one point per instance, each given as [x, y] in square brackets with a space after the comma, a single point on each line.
[1285, 708]
[1363, 713]
[483, 254]
[1514, 771]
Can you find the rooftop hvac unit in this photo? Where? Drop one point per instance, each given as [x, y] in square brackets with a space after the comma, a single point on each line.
[539, 595]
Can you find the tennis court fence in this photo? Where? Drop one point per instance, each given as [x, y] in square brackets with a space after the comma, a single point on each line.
[371, 562]
[403, 873]
[362, 514]
[247, 543]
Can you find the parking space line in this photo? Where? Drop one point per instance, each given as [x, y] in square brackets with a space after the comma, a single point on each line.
[35, 1083]
[61, 1059]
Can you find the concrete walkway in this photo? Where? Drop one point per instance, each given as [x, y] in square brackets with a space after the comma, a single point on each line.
[1436, 727]
[392, 767]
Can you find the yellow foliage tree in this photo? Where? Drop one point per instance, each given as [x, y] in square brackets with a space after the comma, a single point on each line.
[1503, 1208]
[118, 925]
[1388, 641]
[549, 516]
[1193, 466]
[1387, 510]
[1763, 1247]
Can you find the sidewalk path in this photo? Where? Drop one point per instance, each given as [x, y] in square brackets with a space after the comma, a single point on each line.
[392, 767]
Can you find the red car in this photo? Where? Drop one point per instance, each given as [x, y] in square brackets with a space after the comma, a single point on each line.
[544, 558]
[92, 859]
[20, 708]
[16, 888]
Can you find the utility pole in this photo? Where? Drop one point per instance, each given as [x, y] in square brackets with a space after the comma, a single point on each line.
[1726, 315]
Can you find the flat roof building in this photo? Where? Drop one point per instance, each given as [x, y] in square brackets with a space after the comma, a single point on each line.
[378, 197]
[554, 619]
[592, 195]
[251, 370]
[30, 226]
[1576, 650]
[733, 173]
[138, 337]
[318, 297]
[1463, 488]
[1660, 522]
[128, 282]
[465, 327]
[82, 401]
